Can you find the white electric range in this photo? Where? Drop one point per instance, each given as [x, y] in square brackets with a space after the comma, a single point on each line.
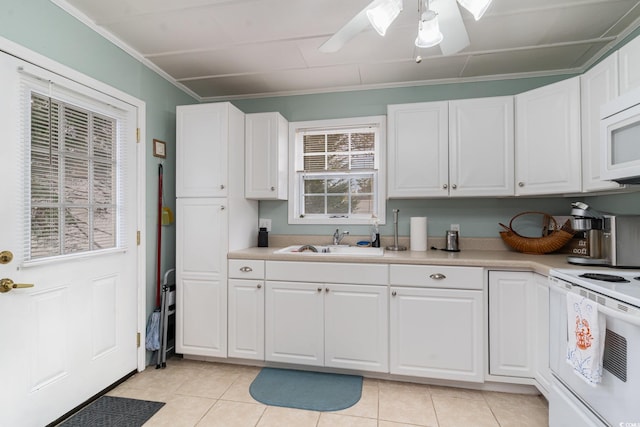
[613, 402]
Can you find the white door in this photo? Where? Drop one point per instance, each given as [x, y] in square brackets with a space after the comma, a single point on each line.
[512, 317]
[356, 332]
[481, 147]
[418, 149]
[74, 332]
[436, 333]
[294, 323]
[201, 275]
[548, 152]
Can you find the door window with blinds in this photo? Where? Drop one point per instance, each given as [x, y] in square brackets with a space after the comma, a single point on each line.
[338, 179]
[74, 171]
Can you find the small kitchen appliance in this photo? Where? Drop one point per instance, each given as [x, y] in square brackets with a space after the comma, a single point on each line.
[452, 241]
[612, 240]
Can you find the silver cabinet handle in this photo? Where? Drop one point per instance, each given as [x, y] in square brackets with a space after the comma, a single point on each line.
[326, 290]
[319, 289]
[454, 186]
[273, 188]
[521, 184]
[259, 286]
[222, 208]
[246, 269]
[445, 186]
[437, 276]
[394, 293]
[222, 186]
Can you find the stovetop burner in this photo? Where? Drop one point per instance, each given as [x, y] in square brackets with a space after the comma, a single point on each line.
[604, 277]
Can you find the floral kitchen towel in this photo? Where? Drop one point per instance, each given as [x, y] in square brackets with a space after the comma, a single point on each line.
[586, 329]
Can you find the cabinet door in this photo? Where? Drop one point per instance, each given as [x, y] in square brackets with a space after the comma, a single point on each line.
[597, 86]
[542, 371]
[246, 319]
[294, 323]
[201, 150]
[418, 150]
[481, 147]
[548, 152]
[629, 66]
[356, 327]
[266, 156]
[437, 333]
[512, 319]
[201, 277]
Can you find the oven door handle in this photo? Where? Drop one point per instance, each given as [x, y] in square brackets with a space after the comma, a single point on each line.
[627, 318]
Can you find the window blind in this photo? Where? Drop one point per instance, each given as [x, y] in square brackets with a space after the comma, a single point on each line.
[74, 203]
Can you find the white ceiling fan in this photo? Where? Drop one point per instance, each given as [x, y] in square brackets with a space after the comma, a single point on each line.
[440, 23]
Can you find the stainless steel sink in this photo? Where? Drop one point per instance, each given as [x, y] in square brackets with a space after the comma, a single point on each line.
[324, 250]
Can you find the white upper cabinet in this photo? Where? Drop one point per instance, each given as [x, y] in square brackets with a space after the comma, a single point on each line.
[418, 150]
[597, 86]
[629, 66]
[266, 170]
[203, 134]
[548, 152]
[456, 148]
[481, 147]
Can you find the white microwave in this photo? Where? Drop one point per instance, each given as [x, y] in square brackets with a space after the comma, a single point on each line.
[620, 139]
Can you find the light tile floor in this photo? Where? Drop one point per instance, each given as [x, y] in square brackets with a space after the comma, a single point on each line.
[216, 394]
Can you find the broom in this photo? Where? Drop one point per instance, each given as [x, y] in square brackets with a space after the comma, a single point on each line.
[152, 341]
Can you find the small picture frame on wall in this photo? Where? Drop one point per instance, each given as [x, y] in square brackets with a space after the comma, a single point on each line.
[159, 148]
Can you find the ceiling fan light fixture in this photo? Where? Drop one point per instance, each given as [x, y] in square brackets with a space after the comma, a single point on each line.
[476, 7]
[428, 30]
[384, 14]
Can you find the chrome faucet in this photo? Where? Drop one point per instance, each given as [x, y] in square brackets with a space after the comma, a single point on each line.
[338, 236]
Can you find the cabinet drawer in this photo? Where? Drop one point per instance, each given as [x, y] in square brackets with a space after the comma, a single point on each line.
[434, 276]
[325, 272]
[246, 269]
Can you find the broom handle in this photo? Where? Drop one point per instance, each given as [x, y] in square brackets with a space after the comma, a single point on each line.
[158, 267]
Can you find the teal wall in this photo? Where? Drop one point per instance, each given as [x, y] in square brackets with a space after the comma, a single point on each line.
[477, 217]
[46, 29]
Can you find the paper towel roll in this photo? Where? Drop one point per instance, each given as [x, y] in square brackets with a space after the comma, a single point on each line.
[418, 233]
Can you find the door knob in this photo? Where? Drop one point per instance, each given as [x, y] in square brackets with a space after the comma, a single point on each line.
[6, 257]
[7, 284]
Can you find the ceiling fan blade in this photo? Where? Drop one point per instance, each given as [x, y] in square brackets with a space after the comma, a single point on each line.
[451, 26]
[349, 31]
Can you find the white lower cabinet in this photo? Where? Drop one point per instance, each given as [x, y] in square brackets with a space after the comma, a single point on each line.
[323, 323]
[437, 332]
[542, 370]
[246, 319]
[334, 325]
[201, 277]
[355, 326]
[512, 317]
[294, 323]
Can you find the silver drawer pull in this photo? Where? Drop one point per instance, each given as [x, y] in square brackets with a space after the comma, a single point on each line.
[438, 276]
[246, 269]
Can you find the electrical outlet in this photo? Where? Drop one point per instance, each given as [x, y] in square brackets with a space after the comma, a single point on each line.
[265, 223]
[455, 227]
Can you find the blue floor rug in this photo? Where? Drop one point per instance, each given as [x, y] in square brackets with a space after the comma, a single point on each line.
[314, 391]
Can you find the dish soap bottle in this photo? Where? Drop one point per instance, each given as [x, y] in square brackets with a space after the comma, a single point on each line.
[375, 234]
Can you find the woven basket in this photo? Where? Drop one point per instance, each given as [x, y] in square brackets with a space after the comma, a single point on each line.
[537, 245]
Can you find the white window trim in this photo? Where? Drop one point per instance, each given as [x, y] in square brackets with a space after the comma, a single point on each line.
[295, 146]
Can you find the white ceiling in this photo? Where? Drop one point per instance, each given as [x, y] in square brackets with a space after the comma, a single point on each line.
[248, 48]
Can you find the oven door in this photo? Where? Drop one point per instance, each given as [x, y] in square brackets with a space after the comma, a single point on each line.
[616, 399]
